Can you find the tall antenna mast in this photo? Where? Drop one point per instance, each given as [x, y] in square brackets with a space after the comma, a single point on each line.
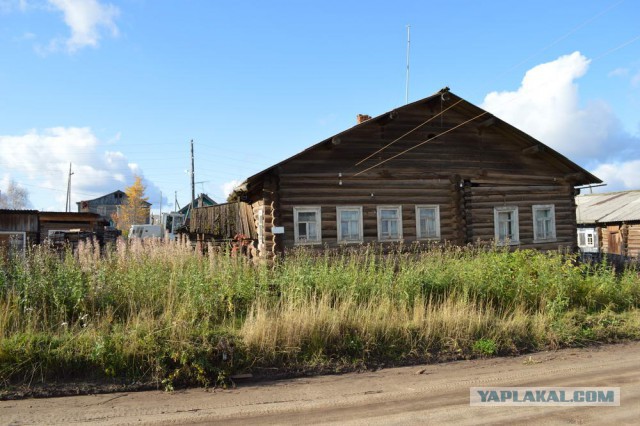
[406, 96]
[193, 184]
[67, 206]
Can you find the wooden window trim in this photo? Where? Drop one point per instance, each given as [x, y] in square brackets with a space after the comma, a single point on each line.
[436, 207]
[534, 210]
[340, 209]
[307, 209]
[379, 222]
[515, 221]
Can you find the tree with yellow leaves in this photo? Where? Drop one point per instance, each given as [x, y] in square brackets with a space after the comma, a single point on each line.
[135, 209]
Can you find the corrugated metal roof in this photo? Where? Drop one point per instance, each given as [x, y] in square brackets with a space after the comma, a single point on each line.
[609, 207]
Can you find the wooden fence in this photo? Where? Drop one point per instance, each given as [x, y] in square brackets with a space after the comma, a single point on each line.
[223, 221]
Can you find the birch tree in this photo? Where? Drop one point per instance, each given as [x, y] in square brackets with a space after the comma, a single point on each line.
[14, 197]
[134, 210]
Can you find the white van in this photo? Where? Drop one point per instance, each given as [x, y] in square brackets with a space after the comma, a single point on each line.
[146, 231]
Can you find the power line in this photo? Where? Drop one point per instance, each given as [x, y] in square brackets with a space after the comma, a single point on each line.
[420, 144]
[408, 133]
[559, 39]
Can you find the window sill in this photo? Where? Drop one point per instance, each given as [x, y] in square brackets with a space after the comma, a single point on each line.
[510, 243]
[546, 240]
[307, 243]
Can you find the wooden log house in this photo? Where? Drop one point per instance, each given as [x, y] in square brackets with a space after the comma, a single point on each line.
[437, 169]
[609, 223]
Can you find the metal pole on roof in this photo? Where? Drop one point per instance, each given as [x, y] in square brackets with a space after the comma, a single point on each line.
[406, 96]
[193, 184]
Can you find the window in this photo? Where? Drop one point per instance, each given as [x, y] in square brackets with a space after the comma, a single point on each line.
[306, 222]
[349, 224]
[428, 222]
[586, 237]
[505, 220]
[544, 223]
[389, 223]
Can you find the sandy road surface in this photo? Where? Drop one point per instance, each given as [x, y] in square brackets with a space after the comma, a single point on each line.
[434, 394]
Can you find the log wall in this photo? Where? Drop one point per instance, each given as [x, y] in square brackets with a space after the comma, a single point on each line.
[633, 240]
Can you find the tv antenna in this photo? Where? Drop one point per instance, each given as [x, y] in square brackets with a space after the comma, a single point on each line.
[406, 96]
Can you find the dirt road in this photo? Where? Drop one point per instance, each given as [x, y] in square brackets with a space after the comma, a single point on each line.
[434, 394]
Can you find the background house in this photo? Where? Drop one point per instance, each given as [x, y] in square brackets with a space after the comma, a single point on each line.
[202, 200]
[106, 205]
[609, 223]
[436, 169]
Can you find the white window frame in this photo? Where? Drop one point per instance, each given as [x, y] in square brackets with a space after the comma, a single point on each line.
[260, 230]
[341, 209]
[587, 232]
[437, 221]
[307, 209]
[540, 207]
[515, 240]
[379, 221]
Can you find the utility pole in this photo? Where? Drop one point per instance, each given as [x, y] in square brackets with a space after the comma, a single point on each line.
[160, 206]
[176, 206]
[68, 203]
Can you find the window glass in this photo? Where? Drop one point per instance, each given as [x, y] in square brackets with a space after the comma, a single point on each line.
[307, 224]
[428, 222]
[349, 224]
[506, 225]
[389, 223]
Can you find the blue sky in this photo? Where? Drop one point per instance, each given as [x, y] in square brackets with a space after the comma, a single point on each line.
[121, 87]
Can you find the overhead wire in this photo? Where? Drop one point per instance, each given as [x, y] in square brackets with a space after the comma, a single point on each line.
[420, 144]
[408, 133]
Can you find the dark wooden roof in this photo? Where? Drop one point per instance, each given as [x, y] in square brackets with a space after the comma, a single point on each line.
[582, 176]
[68, 216]
[108, 196]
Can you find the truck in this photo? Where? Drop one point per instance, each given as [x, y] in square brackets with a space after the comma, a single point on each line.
[171, 222]
[145, 231]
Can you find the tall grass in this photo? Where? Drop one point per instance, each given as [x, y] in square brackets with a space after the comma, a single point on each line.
[158, 311]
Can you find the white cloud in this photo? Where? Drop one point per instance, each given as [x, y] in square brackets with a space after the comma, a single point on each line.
[7, 6]
[546, 106]
[635, 80]
[43, 158]
[619, 175]
[86, 19]
[227, 187]
[619, 72]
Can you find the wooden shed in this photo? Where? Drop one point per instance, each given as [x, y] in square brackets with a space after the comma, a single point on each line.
[18, 228]
[434, 170]
[609, 223]
[62, 221]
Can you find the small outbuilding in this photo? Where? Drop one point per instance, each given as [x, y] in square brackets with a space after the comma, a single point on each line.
[609, 223]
